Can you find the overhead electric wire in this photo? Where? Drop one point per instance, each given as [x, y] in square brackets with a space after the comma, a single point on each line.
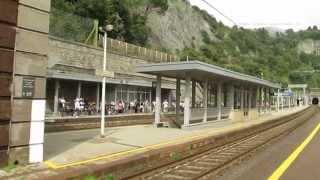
[221, 13]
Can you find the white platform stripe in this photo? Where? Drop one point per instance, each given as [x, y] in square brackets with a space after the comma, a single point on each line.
[35, 153]
[37, 131]
[38, 110]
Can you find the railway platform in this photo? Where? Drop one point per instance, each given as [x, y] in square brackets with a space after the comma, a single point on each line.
[69, 150]
[62, 149]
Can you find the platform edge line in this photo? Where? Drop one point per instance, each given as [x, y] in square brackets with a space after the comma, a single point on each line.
[285, 164]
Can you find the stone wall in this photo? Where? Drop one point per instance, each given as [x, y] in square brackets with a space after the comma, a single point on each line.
[8, 22]
[23, 66]
[87, 57]
[79, 59]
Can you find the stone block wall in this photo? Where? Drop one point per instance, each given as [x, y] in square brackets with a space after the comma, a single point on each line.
[87, 57]
[23, 68]
[8, 22]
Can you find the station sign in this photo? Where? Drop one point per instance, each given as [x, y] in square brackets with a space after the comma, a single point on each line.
[28, 86]
[286, 93]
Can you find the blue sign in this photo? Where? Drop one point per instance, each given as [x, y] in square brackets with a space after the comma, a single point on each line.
[287, 93]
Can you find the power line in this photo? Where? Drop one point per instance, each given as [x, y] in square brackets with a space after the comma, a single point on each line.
[221, 13]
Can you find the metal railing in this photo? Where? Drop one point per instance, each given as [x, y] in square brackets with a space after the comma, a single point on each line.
[127, 49]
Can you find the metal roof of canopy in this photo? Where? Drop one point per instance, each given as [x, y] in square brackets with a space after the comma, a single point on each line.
[297, 86]
[199, 71]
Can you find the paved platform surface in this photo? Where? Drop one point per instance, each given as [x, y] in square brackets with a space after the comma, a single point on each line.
[277, 162]
[307, 164]
[71, 147]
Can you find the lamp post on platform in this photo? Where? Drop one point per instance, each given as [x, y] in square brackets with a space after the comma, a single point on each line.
[105, 30]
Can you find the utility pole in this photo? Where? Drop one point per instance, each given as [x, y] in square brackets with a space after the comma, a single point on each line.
[103, 103]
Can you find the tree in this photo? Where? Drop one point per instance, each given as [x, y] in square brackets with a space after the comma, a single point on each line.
[137, 32]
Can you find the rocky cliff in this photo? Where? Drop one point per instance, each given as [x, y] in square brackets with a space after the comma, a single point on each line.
[178, 27]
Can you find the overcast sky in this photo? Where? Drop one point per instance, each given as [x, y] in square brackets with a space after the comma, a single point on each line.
[284, 14]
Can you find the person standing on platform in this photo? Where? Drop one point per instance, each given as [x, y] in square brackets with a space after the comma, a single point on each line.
[76, 107]
[165, 105]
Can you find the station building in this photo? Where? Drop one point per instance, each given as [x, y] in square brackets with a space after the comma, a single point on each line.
[73, 72]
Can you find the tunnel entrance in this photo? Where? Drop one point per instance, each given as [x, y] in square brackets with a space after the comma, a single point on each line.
[315, 101]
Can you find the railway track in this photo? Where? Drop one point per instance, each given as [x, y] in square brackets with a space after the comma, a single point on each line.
[200, 166]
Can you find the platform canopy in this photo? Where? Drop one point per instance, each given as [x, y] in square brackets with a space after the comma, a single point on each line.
[297, 86]
[200, 71]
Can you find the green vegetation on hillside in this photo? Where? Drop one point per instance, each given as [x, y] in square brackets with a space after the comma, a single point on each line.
[128, 16]
[253, 52]
[257, 53]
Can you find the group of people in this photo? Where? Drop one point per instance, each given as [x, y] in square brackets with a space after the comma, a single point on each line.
[77, 107]
[135, 106]
[80, 106]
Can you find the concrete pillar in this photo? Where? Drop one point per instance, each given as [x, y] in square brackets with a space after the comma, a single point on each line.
[265, 100]
[187, 99]
[245, 104]
[79, 89]
[278, 100]
[150, 96]
[254, 96]
[205, 101]
[178, 95]
[140, 96]
[56, 96]
[219, 98]
[115, 94]
[242, 98]
[170, 99]
[269, 99]
[98, 97]
[158, 101]
[193, 93]
[128, 95]
[289, 102]
[294, 99]
[250, 98]
[121, 92]
[260, 99]
[282, 103]
[300, 98]
[304, 97]
[23, 69]
[231, 96]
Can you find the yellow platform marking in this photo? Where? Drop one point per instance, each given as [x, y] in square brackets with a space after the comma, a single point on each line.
[285, 164]
[53, 165]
